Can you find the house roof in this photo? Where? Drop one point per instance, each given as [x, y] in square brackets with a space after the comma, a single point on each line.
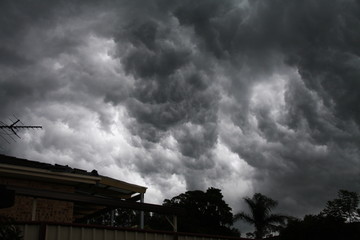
[45, 166]
[85, 184]
[17, 167]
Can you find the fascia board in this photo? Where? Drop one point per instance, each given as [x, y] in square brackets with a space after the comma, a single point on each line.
[43, 173]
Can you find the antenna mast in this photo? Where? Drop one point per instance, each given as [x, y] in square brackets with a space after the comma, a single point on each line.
[10, 130]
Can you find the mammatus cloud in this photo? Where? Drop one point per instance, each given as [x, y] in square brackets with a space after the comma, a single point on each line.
[247, 96]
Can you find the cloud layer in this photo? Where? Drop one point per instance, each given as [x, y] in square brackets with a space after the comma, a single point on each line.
[247, 96]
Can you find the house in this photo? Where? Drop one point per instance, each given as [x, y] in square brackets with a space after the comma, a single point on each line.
[38, 191]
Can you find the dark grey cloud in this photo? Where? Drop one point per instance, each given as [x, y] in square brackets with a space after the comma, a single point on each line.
[248, 96]
[171, 91]
[12, 58]
[314, 38]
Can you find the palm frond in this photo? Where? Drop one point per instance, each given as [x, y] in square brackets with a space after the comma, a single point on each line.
[276, 219]
[244, 216]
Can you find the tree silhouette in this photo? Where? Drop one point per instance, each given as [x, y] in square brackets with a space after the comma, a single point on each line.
[319, 227]
[260, 215]
[339, 220]
[206, 213]
[345, 206]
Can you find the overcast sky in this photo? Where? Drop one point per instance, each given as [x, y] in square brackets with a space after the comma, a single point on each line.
[246, 96]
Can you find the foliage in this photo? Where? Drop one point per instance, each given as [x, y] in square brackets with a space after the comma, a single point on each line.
[8, 231]
[345, 206]
[260, 215]
[336, 222]
[318, 227]
[122, 218]
[127, 218]
[206, 213]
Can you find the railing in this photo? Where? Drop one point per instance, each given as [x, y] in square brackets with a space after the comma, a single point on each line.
[56, 231]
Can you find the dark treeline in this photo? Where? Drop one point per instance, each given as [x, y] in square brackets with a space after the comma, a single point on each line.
[208, 213]
[339, 220]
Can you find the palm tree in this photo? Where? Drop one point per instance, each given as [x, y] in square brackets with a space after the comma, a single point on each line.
[261, 217]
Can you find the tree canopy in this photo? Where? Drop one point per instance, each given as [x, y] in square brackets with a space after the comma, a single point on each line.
[339, 220]
[345, 206]
[318, 227]
[206, 212]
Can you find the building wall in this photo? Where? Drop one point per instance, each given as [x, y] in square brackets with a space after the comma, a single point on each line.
[29, 208]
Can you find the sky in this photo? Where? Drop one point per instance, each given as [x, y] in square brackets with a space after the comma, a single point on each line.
[246, 96]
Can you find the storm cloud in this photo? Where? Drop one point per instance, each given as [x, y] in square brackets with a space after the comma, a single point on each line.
[246, 96]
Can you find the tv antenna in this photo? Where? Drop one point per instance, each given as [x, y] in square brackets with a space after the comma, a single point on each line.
[10, 131]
